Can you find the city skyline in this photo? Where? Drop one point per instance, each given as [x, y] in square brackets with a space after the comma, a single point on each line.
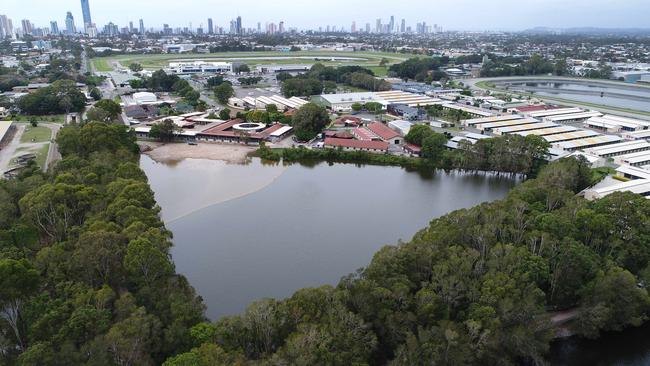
[462, 15]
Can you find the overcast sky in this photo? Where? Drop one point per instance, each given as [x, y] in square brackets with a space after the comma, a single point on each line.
[451, 14]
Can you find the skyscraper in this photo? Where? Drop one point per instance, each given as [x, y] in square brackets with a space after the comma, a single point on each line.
[210, 26]
[85, 11]
[353, 28]
[141, 26]
[54, 28]
[238, 27]
[391, 25]
[69, 24]
[281, 27]
[402, 29]
[378, 26]
[27, 26]
[131, 27]
[6, 28]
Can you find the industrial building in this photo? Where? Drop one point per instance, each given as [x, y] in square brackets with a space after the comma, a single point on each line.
[344, 102]
[576, 135]
[552, 112]
[585, 143]
[614, 124]
[621, 148]
[632, 172]
[637, 135]
[473, 112]
[522, 128]
[637, 159]
[572, 117]
[356, 145]
[469, 137]
[482, 120]
[639, 186]
[548, 131]
[280, 102]
[495, 125]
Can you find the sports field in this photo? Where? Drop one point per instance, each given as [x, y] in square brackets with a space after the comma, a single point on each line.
[329, 58]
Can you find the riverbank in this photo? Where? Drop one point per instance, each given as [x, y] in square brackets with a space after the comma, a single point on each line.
[175, 152]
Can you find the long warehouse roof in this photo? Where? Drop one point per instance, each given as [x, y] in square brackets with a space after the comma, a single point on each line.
[580, 134]
[548, 131]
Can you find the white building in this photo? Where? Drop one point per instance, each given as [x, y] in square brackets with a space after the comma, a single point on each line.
[144, 98]
[199, 67]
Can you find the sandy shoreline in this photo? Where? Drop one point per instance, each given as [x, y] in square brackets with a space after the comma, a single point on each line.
[175, 152]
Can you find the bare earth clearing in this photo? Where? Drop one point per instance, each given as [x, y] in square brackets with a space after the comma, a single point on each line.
[174, 152]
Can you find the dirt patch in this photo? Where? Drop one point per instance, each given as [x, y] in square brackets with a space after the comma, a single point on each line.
[174, 152]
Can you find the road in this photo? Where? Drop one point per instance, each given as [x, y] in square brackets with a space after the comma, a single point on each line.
[7, 153]
[53, 154]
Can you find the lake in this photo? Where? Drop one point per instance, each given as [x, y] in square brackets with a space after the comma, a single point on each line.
[622, 96]
[265, 230]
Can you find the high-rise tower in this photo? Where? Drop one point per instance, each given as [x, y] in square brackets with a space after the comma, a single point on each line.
[85, 11]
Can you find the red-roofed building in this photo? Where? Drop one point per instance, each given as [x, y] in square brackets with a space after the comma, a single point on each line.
[385, 133]
[364, 134]
[412, 149]
[357, 145]
[225, 133]
[534, 108]
[348, 121]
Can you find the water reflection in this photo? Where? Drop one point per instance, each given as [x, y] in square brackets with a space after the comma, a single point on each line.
[310, 226]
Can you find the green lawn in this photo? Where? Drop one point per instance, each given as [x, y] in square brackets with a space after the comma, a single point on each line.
[56, 118]
[38, 134]
[41, 155]
[102, 64]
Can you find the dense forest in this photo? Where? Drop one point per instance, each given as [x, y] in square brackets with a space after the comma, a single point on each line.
[86, 276]
[85, 272]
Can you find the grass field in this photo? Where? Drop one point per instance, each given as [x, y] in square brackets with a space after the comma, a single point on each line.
[38, 134]
[102, 64]
[56, 118]
[41, 155]
[154, 62]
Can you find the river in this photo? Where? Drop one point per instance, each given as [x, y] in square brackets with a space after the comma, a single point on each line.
[621, 96]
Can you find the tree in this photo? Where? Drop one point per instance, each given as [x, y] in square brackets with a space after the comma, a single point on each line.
[112, 108]
[215, 81]
[33, 121]
[98, 115]
[135, 67]
[18, 281]
[224, 114]
[223, 92]
[357, 107]
[165, 131]
[433, 146]
[63, 96]
[309, 120]
[243, 68]
[95, 93]
[418, 133]
[384, 62]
